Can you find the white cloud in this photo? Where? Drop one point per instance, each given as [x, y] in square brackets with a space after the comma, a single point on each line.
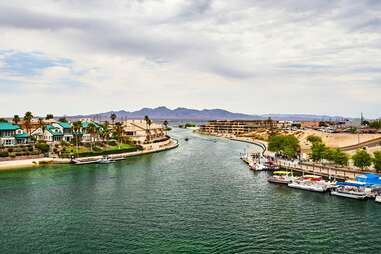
[249, 56]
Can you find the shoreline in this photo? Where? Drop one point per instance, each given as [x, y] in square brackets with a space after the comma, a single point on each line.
[35, 163]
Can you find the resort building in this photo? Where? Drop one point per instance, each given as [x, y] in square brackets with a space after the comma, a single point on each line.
[12, 134]
[140, 132]
[236, 127]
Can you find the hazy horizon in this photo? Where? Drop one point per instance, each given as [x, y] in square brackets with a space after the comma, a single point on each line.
[67, 57]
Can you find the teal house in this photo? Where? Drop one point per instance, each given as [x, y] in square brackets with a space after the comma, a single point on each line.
[12, 134]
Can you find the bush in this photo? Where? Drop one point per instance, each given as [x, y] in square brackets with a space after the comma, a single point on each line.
[4, 154]
[44, 148]
[30, 149]
[10, 150]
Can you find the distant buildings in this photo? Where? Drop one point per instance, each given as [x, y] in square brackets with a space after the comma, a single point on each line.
[236, 127]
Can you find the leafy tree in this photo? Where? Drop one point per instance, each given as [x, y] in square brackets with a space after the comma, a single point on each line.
[375, 124]
[377, 160]
[2, 120]
[288, 145]
[113, 117]
[328, 154]
[317, 151]
[362, 159]
[339, 157]
[313, 139]
[16, 119]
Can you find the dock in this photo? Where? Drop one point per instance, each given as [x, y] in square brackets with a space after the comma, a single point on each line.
[320, 170]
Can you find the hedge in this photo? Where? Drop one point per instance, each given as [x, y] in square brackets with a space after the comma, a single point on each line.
[4, 154]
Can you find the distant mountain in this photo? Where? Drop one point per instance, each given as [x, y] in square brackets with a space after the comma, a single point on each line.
[164, 113]
[169, 114]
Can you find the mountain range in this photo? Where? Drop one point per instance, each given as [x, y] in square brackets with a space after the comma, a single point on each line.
[164, 113]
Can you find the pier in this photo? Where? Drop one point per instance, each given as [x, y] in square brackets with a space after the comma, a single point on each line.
[321, 170]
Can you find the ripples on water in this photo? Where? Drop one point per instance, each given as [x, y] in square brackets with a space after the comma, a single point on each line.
[198, 198]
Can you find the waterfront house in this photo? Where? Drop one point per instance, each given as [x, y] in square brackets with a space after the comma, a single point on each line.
[141, 133]
[12, 134]
[86, 135]
[66, 130]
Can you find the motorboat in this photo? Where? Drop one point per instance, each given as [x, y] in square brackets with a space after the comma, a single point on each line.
[282, 177]
[378, 199]
[257, 166]
[186, 139]
[349, 192]
[310, 183]
[350, 189]
[105, 160]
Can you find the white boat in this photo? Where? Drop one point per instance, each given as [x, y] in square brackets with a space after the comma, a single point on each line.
[105, 160]
[378, 198]
[310, 183]
[282, 177]
[257, 166]
[346, 192]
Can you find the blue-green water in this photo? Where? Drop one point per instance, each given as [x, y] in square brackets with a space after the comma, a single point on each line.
[198, 198]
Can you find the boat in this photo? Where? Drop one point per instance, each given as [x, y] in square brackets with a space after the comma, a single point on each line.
[257, 166]
[186, 139]
[282, 177]
[350, 189]
[105, 160]
[378, 198]
[310, 183]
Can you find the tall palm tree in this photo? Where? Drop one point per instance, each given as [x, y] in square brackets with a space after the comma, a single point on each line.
[113, 117]
[92, 130]
[41, 124]
[27, 121]
[76, 128]
[118, 132]
[16, 119]
[148, 125]
[49, 116]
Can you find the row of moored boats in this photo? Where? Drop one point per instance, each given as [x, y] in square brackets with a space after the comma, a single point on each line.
[347, 189]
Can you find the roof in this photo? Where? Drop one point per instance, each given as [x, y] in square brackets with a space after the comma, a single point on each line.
[22, 135]
[86, 124]
[64, 125]
[8, 127]
[53, 130]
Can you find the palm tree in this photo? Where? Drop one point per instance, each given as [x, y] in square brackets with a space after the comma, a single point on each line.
[16, 119]
[165, 123]
[76, 131]
[105, 134]
[148, 124]
[49, 116]
[92, 130]
[41, 124]
[27, 121]
[113, 117]
[118, 132]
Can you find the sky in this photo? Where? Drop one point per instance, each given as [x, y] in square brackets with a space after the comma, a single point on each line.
[292, 56]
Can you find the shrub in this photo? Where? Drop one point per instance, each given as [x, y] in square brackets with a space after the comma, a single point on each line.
[43, 147]
[10, 150]
[30, 149]
[4, 154]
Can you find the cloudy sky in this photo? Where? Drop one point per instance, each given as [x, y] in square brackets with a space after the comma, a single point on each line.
[289, 56]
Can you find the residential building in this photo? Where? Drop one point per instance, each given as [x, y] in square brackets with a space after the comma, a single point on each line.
[86, 136]
[141, 133]
[66, 130]
[12, 134]
[236, 127]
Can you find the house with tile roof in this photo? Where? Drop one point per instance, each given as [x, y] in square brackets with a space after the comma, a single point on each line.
[140, 133]
[49, 133]
[86, 136]
[12, 134]
[65, 128]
